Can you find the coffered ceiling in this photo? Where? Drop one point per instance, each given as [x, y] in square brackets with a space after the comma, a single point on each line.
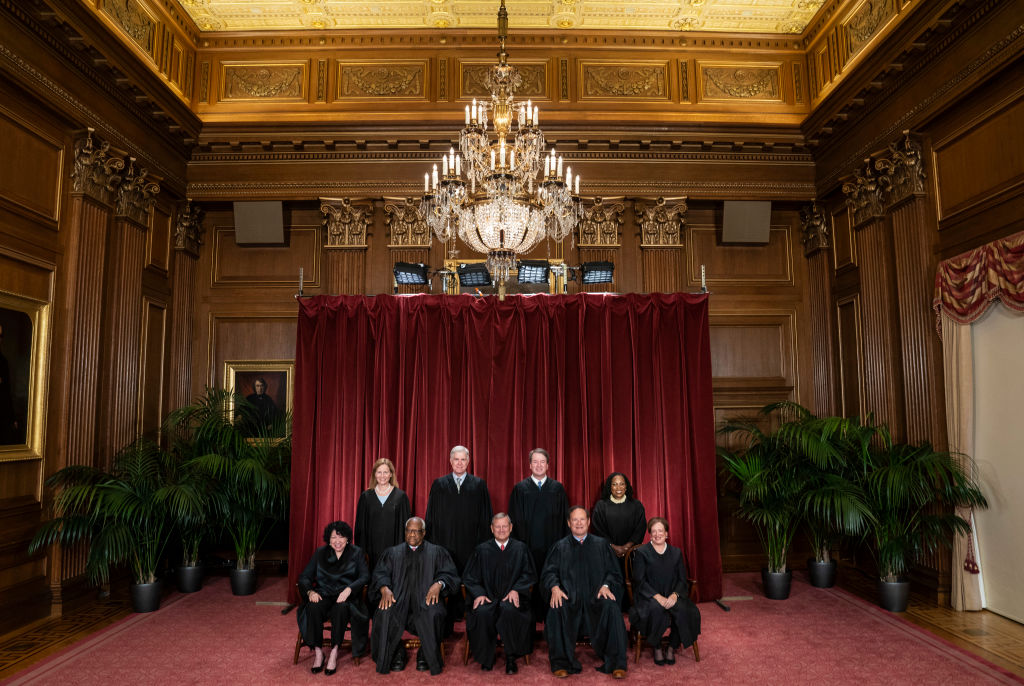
[734, 16]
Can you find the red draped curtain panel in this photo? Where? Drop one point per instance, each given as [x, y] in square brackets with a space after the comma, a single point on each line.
[603, 382]
[967, 284]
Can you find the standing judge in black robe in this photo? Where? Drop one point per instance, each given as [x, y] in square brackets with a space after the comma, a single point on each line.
[620, 518]
[333, 584]
[410, 578]
[539, 509]
[660, 595]
[458, 517]
[381, 513]
[584, 580]
[498, 578]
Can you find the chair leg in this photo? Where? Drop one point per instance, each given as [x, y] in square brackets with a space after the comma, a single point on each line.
[298, 647]
[696, 652]
[639, 647]
[465, 655]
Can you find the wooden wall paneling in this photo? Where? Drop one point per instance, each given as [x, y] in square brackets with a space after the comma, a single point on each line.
[23, 591]
[663, 269]
[249, 334]
[34, 184]
[817, 240]
[754, 345]
[150, 391]
[187, 242]
[740, 265]
[158, 239]
[883, 378]
[844, 253]
[266, 266]
[850, 352]
[118, 416]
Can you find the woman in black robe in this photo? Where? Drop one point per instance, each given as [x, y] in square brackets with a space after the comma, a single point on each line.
[620, 518]
[333, 584]
[660, 595]
[381, 513]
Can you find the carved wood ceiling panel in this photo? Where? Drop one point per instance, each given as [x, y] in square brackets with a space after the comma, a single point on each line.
[742, 16]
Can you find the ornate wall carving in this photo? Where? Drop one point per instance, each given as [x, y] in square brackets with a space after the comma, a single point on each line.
[382, 80]
[641, 81]
[136, 194]
[346, 223]
[600, 224]
[814, 229]
[534, 76]
[406, 226]
[204, 82]
[864, 194]
[188, 229]
[863, 24]
[264, 82]
[661, 224]
[97, 172]
[133, 20]
[744, 83]
[321, 80]
[902, 170]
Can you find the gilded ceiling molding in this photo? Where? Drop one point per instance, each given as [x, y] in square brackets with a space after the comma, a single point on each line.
[864, 194]
[406, 225]
[599, 227]
[97, 172]
[188, 229]
[661, 224]
[347, 224]
[814, 229]
[902, 170]
[136, 194]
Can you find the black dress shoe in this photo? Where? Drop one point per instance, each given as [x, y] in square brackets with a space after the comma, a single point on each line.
[486, 668]
[421, 663]
[398, 664]
[510, 667]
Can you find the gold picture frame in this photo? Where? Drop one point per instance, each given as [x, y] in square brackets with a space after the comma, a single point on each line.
[24, 361]
[241, 376]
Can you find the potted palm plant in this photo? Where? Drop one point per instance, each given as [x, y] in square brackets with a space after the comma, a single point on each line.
[124, 515]
[248, 460]
[770, 484]
[832, 502]
[911, 491]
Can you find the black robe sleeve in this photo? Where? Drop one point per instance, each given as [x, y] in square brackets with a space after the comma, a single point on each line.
[308, 577]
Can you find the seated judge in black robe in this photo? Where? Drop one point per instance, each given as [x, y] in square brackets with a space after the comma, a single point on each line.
[333, 584]
[458, 517]
[380, 525]
[539, 509]
[410, 579]
[620, 518]
[583, 578]
[498, 578]
[660, 595]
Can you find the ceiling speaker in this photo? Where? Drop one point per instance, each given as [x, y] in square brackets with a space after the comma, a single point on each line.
[746, 221]
[259, 223]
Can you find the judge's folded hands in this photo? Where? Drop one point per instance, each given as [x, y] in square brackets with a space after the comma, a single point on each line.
[315, 597]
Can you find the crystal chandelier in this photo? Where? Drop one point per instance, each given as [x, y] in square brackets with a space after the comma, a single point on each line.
[502, 192]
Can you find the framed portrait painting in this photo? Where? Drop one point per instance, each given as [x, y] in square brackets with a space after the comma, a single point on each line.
[265, 384]
[24, 349]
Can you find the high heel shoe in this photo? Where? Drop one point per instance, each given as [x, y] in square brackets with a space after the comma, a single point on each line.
[328, 672]
[317, 670]
[670, 656]
[658, 659]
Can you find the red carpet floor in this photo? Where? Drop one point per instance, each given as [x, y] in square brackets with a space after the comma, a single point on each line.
[816, 637]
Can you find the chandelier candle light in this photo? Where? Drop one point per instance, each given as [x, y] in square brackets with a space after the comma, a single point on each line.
[502, 192]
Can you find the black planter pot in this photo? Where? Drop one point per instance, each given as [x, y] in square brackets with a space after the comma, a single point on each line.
[243, 581]
[189, 579]
[146, 597]
[894, 596]
[776, 584]
[822, 574]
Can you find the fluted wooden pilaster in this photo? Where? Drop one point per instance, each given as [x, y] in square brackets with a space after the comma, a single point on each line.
[346, 271]
[183, 299]
[823, 342]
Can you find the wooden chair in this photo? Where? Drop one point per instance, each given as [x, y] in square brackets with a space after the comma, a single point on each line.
[640, 638]
[465, 656]
[345, 642]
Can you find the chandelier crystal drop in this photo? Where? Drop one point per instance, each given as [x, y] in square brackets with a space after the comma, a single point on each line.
[502, 192]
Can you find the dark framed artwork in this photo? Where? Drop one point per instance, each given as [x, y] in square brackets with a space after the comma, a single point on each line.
[265, 384]
[24, 348]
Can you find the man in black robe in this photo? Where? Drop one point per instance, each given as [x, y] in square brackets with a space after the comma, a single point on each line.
[458, 518]
[411, 577]
[584, 580]
[538, 508]
[498, 577]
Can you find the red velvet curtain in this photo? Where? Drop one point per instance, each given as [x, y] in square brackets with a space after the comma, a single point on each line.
[603, 382]
[967, 284]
